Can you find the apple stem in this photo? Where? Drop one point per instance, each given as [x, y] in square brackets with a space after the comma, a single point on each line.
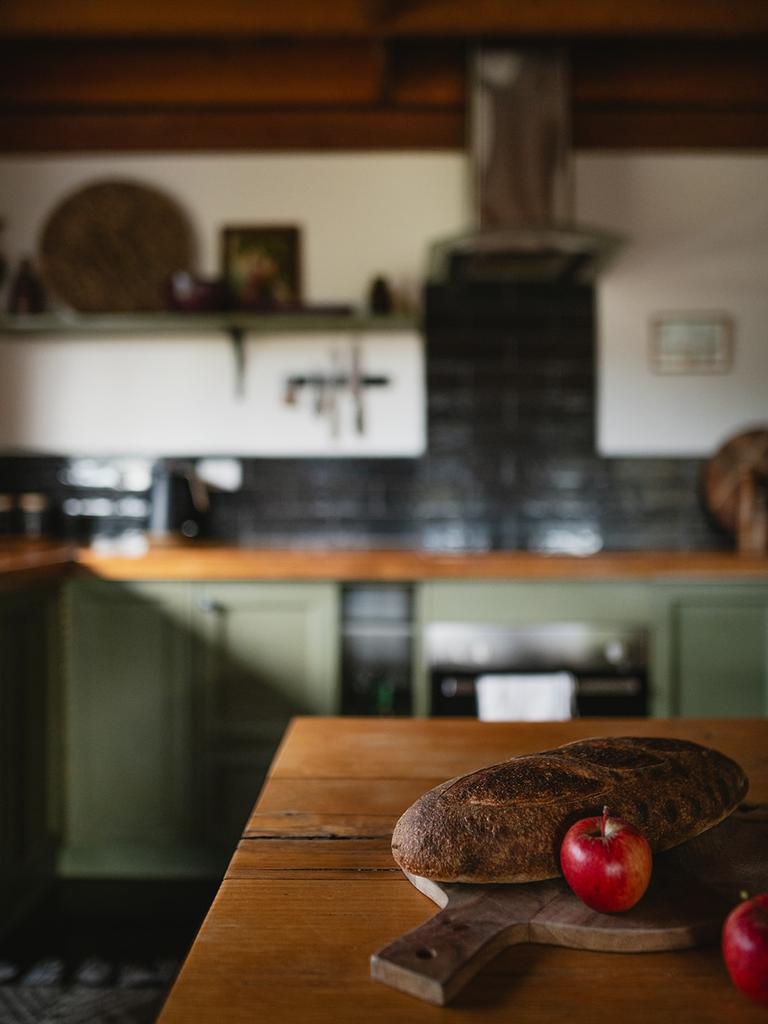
[603, 822]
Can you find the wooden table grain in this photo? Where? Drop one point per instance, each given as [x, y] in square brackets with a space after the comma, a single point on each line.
[312, 890]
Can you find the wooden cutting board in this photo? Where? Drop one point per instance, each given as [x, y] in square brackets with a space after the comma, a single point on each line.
[692, 889]
[736, 489]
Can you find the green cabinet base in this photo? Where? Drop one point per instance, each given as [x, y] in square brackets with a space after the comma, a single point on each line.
[139, 860]
[29, 747]
[177, 696]
[713, 647]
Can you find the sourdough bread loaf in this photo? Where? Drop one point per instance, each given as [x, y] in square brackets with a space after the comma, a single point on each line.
[505, 823]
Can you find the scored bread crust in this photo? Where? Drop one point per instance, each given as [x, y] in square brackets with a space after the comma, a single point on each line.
[505, 823]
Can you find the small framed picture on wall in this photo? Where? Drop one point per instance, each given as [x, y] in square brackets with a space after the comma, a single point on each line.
[261, 266]
[691, 343]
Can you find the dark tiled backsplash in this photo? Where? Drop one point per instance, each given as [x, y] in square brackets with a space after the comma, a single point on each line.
[511, 459]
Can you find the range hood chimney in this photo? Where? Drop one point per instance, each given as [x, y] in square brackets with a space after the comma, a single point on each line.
[521, 179]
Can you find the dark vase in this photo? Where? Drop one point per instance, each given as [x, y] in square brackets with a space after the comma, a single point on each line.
[26, 293]
[380, 301]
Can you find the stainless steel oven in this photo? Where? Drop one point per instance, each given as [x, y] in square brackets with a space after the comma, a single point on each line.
[608, 661]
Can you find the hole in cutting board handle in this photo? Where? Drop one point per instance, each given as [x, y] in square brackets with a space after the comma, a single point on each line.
[426, 953]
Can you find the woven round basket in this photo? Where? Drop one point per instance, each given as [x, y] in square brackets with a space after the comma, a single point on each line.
[111, 247]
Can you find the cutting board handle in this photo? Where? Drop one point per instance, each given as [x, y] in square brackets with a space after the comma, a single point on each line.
[435, 960]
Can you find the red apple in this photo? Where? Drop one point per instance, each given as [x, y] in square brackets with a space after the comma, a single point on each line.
[745, 947]
[607, 862]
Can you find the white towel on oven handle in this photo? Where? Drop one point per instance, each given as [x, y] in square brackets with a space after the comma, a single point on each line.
[529, 697]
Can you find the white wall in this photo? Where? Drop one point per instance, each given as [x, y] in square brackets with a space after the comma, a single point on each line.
[698, 240]
[697, 229]
[169, 396]
[360, 214]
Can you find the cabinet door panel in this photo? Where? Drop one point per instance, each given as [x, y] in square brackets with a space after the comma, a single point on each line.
[178, 695]
[270, 651]
[128, 722]
[722, 655]
[28, 817]
[12, 754]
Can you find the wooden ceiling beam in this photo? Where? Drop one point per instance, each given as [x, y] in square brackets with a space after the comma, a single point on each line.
[427, 73]
[353, 72]
[360, 94]
[670, 129]
[579, 18]
[230, 130]
[192, 19]
[669, 72]
[130, 73]
[367, 129]
[402, 18]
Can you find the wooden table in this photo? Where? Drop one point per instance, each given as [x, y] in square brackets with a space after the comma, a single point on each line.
[312, 890]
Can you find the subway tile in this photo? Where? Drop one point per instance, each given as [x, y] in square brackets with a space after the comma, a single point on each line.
[571, 537]
[446, 468]
[460, 535]
[551, 400]
[450, 436]
[508, 534]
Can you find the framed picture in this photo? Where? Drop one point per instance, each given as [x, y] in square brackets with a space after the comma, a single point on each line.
[261, 266]
[691, 343]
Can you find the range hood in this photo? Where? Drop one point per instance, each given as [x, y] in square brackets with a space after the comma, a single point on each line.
[521, 179]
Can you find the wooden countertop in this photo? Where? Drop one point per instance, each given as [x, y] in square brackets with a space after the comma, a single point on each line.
[312, 891]
[202, 561]
[27, 561]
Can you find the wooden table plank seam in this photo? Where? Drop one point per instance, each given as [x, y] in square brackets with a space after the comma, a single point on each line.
[315, 875]
[309, 836]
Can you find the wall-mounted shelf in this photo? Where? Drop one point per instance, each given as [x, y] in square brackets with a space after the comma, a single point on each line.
[235, 325]
[199, 323]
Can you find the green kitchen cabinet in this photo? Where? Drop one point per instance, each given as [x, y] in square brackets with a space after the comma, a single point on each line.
[535, 601]
[177, 697]
[708, 641]
[713, 648]
[130, 764]
[29, 746]
[269, 651]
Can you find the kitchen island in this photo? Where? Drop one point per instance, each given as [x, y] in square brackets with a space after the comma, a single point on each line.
[312, 890]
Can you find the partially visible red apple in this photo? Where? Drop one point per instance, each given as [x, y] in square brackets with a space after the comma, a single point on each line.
[607, 862]
[745, 947]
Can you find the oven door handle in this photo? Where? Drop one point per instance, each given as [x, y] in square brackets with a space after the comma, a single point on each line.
[609, 686]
